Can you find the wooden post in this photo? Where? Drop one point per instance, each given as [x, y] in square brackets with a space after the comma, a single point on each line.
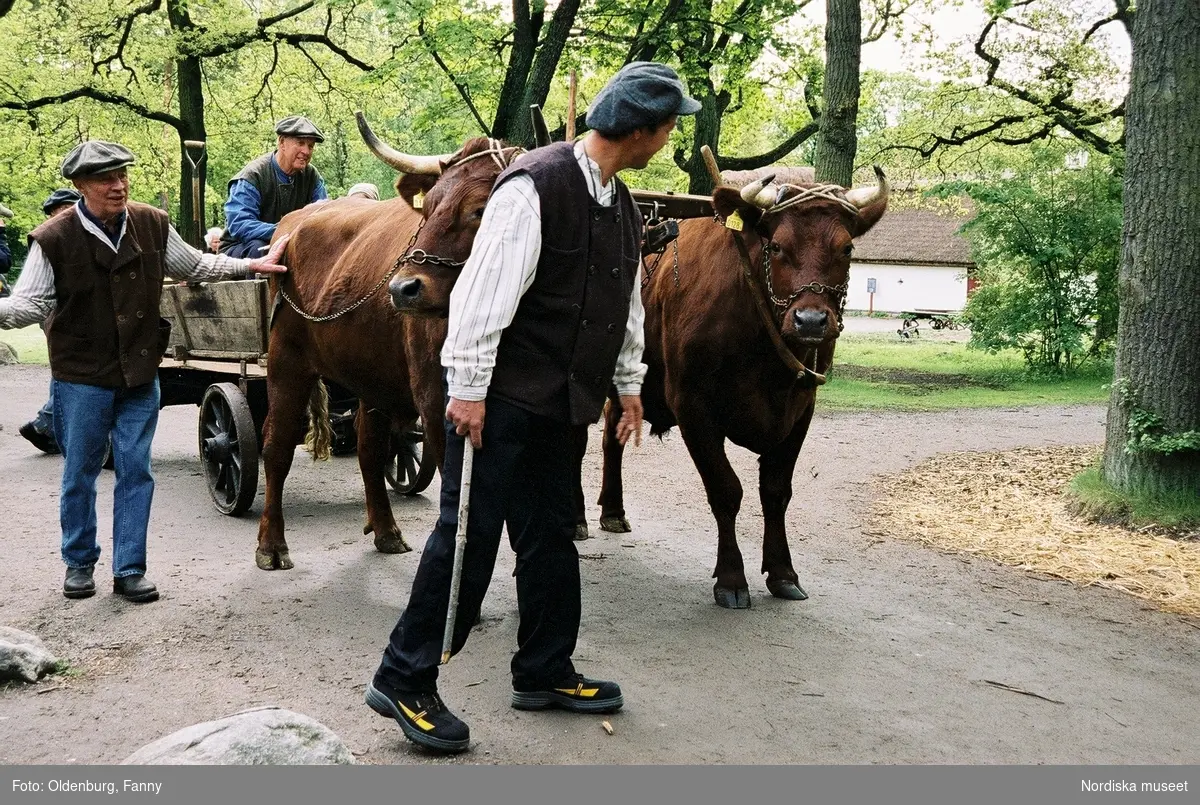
[571, 108]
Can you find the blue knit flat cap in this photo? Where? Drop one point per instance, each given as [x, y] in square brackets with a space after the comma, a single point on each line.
[59, 197]
[642, 93]
[95, 156]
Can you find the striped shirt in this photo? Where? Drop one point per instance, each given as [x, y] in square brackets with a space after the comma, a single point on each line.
[32, 297]
[500, 270]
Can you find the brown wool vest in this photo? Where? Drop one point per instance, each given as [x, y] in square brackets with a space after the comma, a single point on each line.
[106, 330]
[558, 356]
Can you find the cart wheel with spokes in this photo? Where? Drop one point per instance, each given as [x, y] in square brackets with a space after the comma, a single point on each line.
[228, 448]
[409, 470]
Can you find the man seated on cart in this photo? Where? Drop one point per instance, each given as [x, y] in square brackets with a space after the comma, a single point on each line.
[98, 267]
[271, 186]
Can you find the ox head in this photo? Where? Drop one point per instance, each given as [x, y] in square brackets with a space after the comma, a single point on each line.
[453, 189]
[806, 233]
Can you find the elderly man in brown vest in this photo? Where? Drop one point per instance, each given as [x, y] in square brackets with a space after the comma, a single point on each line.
[271, 186]
[545, 316]
[99, 267]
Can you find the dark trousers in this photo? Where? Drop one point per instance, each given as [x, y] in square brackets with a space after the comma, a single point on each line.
[248, 249]
[522, 478]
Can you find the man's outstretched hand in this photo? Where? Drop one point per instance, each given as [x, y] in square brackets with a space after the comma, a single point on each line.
[269, 262]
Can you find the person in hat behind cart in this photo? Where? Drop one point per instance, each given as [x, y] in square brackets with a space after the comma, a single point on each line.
[545, 316]
[271, 186]
[39, 431]
[99, 267]
[363, 190]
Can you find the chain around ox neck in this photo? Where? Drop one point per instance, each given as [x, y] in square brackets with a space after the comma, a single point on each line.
[500, 155]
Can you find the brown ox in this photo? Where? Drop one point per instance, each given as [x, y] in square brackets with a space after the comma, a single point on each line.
[340, 255]
[717, 374]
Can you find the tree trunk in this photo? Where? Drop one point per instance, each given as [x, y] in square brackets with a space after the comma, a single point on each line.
[837, 141]
[706, 130]
[544, 68]
[516, 75]
[1158, 330]
[191, 114]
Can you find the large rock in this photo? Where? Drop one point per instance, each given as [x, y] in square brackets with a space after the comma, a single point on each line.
[8, 355]
[23, 656]
[264, 736]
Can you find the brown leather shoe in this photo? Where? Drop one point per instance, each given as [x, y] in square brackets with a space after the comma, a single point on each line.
[79, 582]
[137, 589]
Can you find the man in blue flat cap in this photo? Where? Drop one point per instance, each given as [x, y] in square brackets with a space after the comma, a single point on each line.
[544, 317]
[99, 268]
[271, 186]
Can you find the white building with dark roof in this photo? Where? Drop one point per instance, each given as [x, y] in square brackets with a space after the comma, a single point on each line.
[913, 259]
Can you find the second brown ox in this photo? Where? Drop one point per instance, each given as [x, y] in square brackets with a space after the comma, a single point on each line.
[715, 369]
[336, 322]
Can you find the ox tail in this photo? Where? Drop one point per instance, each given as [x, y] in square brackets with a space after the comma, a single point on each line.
[319, 439]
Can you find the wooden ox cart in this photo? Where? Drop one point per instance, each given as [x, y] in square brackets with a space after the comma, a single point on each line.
[217, 360]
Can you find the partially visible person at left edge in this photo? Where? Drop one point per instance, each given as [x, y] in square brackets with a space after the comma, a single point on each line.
[5, 254]
[99, 268]
[271, 186]
[39, 431]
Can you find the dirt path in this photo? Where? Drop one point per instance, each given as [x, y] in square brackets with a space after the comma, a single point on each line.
[888, 661]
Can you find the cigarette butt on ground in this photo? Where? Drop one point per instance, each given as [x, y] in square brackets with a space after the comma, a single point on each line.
[607, 727]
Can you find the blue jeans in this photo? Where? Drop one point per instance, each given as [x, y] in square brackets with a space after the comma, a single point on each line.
[84, 417]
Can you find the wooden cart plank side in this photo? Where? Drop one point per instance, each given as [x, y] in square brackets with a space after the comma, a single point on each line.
[227, 318]
[179, 323]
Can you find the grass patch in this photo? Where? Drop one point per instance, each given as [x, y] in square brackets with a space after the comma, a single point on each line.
[29, 342]
[883, 373]
[1090, 496]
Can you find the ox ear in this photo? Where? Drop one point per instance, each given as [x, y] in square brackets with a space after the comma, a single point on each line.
[410, 184]
[728, 200]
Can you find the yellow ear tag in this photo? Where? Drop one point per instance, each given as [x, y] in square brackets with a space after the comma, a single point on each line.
[418, 200]
[734, 221]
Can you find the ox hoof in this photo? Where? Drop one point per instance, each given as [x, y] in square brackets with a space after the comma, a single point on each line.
[273, 560]
[788, 590]
[615, 525]
[732, 599]
[391, 544]
[581, 532]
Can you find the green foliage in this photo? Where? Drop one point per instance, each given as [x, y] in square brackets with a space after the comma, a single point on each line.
[1146, 432]
[1047, 247]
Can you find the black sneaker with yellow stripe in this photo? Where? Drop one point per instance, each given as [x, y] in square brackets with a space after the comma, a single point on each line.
[576, 693]
[423, 717]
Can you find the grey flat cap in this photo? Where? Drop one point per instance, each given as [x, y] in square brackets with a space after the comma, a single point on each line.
[298, 126]
[642, 93]
[5, 212]
[59, 197]
[95, 156]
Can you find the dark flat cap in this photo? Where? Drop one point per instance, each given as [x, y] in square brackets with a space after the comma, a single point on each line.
[58, 198]
[642, 93]
[298, 126]
[95, 156]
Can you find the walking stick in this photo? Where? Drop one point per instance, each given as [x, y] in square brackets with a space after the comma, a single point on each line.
[196, 147]
[460, 544]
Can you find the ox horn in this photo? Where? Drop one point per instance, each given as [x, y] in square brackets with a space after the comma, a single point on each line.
[758, 194]
[863, 196]
[405, 163]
